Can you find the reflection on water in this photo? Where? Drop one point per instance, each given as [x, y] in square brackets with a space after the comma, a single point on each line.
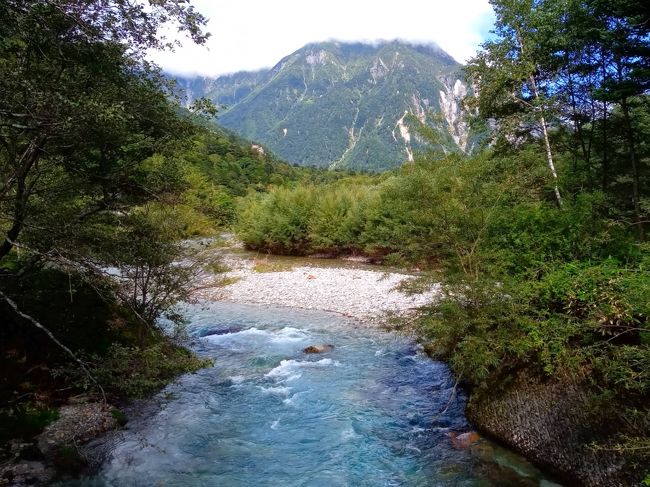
[367, 413]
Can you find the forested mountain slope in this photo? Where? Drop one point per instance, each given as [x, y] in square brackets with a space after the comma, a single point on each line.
[344, 105]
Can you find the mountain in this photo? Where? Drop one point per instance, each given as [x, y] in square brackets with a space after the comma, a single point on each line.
[344, 105]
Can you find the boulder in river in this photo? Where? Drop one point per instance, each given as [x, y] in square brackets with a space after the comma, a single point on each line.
[318, 348]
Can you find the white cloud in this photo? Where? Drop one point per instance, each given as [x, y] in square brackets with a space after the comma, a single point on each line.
[251, 34]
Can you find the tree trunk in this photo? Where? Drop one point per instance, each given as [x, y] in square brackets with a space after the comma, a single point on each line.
[605, 149]
[577, 124]
[605, 128]
[629, 136]
[547, 144]
[542, 119]
[27, 160]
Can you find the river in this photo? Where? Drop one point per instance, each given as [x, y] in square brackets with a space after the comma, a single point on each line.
[373, 411]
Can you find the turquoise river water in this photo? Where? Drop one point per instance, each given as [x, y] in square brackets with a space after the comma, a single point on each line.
[374, 411]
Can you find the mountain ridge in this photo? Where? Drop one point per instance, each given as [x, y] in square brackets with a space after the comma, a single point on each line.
[344, 105]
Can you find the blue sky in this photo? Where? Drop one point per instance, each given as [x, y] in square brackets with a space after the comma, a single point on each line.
[252, 34]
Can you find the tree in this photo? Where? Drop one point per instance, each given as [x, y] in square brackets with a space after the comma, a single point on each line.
[511, 84]
[79, 105]
[80, 112]
[574, 73]
[620, 29]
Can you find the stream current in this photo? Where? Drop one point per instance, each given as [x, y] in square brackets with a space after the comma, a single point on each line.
[374, 411]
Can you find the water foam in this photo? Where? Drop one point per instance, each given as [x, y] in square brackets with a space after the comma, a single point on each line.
[248, 332]
[348, 434]
[277, 391]
[284, 335]
[287, 368]
[291, 401]
[290, 334]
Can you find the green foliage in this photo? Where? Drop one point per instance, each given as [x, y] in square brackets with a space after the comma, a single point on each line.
[572, 77]
[134, 371]
[119, 416]
[24, 421]
[339, 218]
[137, 372]
[418, 212]
[278, 221]
[306, 219]
[576, 318]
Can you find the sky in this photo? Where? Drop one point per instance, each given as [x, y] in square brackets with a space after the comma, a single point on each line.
[253, 34]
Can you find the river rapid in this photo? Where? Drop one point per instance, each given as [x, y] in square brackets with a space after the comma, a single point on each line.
[373, 411]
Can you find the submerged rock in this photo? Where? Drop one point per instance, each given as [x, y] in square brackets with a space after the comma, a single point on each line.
[58, 447]
[318, 348]
[27, 473]
[221, 331]
[463, 440]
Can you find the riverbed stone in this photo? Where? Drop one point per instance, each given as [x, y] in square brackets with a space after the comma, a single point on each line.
[318, 348]
[368, 295]
[464, 440]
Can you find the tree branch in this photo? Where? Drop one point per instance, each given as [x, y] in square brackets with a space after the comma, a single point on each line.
[51, 336]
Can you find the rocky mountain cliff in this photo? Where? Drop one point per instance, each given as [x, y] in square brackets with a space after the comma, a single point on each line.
[344, 105]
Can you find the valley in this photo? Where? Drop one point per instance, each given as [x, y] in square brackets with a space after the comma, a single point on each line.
[368, 264]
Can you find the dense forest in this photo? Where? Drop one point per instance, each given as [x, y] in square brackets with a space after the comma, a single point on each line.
[539, 237]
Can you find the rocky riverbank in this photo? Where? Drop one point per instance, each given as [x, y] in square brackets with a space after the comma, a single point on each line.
[553, 424]
[58, 448]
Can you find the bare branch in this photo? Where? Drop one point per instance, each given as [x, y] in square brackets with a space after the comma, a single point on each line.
[51, 336]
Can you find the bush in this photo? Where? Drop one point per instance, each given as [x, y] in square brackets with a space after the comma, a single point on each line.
[339, 218]
[277, 222]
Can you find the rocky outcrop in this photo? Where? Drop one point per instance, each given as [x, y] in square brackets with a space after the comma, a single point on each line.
[463, 441]
[451, 105]
[58, 448]
[552, 424]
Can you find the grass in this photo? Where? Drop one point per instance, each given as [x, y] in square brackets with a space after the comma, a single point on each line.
[272, 266]
[227, 281]
[217, 267]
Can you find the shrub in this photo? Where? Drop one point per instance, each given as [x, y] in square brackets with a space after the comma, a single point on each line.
[133, 371]
[339, 217]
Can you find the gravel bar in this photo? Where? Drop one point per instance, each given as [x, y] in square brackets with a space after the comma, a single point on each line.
[366, 295]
